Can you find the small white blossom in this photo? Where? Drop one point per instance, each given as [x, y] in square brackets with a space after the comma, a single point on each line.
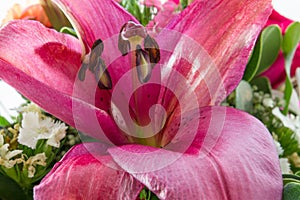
[58, 133]
[31, 107]
[35, 128]
[33, 161]
[291, 121]
[278, 148]
[285, 166]
[268, 102]
[6, 155]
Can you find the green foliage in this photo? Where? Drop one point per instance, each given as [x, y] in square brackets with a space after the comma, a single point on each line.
[4, 122]
[286, 138]
[68, 30]
[146, 194]
[265, 52]
[291, 191]
[142, 13]
[184, 3]
[263, 84]
[291, 40]
[10, 190]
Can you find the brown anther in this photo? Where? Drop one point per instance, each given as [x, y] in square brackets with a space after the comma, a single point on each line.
[102, 75]
[96, 52]
[143, 64]
[123, 45]
[82, 70]
[152, 48]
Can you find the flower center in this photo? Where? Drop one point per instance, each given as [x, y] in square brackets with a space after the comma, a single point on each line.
[143, 51]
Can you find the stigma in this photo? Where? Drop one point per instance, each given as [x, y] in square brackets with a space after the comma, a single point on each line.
[145, 50]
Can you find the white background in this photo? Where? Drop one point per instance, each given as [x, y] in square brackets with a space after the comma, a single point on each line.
[10, 99]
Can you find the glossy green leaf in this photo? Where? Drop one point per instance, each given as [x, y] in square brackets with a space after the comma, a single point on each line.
[263, 84]
[244, 96]
[265, 52]
[290, 42]
[272, 39]
[10, 190]
[291, 191]
[4, 122]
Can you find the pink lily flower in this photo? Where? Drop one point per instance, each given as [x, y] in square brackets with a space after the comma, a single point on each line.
[200, 151]
[276, 72]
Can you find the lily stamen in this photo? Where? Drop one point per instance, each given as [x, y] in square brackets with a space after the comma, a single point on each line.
[132, 35]
[143, 64]
[97, 66]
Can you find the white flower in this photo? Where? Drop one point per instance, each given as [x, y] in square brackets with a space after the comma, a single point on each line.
[285, 166]
[33, 161]
[31, 107]
[268, 102]
[58, 133]
[278, 148]
[6, 155]
[35, 128]
[290, 121]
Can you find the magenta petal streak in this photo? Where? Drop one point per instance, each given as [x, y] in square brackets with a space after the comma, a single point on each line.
[42, 64]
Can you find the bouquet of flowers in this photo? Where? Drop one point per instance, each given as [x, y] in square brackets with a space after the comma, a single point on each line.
[151, 100]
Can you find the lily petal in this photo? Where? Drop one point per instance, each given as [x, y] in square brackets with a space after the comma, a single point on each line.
[226, 30]
[238, 160]
[42, 65]
[95, 19]
[82, 175]
[103, 19]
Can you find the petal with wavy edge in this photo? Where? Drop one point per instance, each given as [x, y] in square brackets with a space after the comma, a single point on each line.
[238, 162]
[227, 30]
[82, 175]
[95, 19]
[42, 65]
[104, 19]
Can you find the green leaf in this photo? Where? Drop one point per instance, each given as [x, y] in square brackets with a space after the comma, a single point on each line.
[265, 52]
[262, 84]
[290, 178]
[291, 191]
[289, 45]
[10, 190]
[244, 97]
[272, 39]
[4, 122]
[184, 3]
[68, 30]
[297, 173]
